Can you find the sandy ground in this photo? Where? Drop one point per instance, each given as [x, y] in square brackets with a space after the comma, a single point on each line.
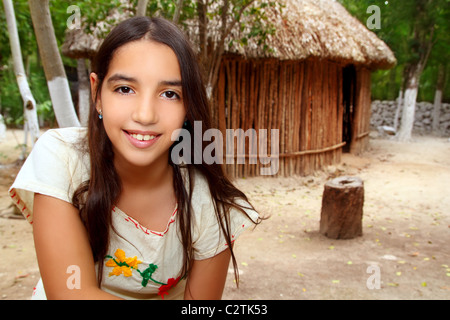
[405, 242]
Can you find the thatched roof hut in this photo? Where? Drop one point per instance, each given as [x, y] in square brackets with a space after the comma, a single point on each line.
[313, 84]
[80, 45]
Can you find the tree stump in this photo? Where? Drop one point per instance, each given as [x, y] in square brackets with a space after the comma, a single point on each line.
[342, 208]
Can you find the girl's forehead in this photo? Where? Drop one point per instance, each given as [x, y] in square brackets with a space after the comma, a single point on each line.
[143, 56]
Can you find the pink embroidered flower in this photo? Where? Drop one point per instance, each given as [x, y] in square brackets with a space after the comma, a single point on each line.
[170, 284]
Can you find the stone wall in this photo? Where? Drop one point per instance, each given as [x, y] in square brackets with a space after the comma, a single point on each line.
[383, 113]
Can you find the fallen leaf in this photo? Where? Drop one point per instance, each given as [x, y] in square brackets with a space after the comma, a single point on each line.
[392, 284]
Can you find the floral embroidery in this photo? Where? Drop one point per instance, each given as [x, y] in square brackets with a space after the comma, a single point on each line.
[170, 284]
[124, 265]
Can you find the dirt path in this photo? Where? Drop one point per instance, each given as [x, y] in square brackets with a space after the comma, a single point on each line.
[406, 231]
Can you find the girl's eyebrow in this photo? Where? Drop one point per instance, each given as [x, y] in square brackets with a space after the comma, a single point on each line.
[173, 83]
[121, 77]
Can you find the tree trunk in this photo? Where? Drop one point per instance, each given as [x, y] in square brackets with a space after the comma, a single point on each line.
[397, 110]
[30, 114]
[342, 208]
[421, 44]
[177, 14]
[211, 50]
[438, 98]
[83, 92]
[55, 74]
[409, 106]
[141, 8]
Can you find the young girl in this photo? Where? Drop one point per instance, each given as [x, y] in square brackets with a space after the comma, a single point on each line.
[113, 216]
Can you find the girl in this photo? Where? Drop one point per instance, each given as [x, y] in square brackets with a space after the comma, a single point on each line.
[113, 216]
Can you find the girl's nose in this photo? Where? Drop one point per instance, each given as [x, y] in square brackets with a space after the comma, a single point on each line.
[145, 112]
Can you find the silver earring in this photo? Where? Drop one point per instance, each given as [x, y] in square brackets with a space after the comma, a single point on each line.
[100, 115]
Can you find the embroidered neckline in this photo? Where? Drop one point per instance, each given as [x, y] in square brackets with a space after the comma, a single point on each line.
[141, 227]
[123, 265]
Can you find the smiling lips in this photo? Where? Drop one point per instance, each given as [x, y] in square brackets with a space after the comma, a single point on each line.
[142, 139]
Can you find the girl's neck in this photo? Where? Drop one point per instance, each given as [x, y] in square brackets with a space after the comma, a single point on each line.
[150, 177]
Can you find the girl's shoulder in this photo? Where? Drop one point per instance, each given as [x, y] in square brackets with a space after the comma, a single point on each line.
[63, 137]
[55, 167]
[62, 145]
[202, 199]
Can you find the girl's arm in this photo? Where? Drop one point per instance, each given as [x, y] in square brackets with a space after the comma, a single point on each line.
[63, 251]
[206, 279]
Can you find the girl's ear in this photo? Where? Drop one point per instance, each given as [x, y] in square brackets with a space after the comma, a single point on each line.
[94, 84]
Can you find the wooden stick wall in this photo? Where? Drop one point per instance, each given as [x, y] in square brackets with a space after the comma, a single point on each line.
[303, 99]
[361, 127]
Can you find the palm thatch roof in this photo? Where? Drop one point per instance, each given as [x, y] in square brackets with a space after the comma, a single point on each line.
[303, 29]
[319, 29]
[80, 45]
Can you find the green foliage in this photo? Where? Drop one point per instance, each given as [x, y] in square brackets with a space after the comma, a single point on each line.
[399, 21]
[11, 102]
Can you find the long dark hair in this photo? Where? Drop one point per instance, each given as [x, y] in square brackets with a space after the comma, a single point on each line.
[96, 197]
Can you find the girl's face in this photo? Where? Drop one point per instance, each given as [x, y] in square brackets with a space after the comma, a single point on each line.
[141, 102]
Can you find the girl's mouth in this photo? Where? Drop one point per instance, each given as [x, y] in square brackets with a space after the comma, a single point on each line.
[141, 140]
[141, 137]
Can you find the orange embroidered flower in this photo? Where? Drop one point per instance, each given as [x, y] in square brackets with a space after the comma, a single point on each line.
[122, 265]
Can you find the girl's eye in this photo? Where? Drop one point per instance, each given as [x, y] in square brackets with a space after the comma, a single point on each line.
[124, 90]
[172, 95]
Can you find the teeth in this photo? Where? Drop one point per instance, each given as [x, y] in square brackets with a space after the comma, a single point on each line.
[141, 137]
